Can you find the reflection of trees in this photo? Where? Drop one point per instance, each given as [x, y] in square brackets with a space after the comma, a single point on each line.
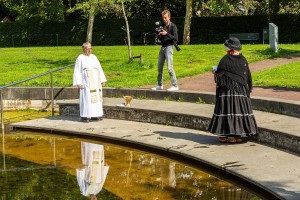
[133, 174]
[27, 180]
[130, 164]
[148, 176]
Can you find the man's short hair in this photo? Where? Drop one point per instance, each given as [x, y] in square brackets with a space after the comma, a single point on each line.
[166, 12]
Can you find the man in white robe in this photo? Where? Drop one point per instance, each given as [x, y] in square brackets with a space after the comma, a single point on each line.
[92, 176]
[89, 78]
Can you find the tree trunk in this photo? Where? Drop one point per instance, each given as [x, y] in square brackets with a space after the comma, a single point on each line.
[128, 34]
[89, 34]
[187, 22]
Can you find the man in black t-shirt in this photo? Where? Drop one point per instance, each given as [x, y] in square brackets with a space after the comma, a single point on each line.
[168, 37]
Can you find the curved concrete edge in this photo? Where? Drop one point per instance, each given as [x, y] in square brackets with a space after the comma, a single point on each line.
[224, 173]
[267, 136]
[26, 95]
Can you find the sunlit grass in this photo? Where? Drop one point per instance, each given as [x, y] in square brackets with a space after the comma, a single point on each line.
[282, 76]
[23, 115]
[20, 63]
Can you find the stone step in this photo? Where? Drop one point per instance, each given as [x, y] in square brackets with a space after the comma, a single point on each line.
[35, 97]
[275, 130]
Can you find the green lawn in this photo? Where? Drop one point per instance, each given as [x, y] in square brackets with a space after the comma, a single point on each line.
[282, 76]
[21, 63]
[23, 115]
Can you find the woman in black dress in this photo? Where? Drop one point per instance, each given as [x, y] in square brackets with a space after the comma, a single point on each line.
[233, 117]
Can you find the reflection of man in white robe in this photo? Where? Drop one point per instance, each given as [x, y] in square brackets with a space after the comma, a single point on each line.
[92, 176]
[89, 78]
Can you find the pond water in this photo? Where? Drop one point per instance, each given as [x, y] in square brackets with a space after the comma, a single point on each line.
[44, 166]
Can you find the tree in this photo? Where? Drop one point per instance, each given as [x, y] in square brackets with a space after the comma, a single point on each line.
[128, 33]
[187, 22]
[290, 6]
[153, 8]
[216, 8]
[248, 7]
[89, 32]
[90, 9]
[35, 10]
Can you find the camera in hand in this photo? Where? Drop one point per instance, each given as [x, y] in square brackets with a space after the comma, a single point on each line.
[159, 27]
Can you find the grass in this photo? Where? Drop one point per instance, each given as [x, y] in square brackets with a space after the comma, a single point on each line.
[20, 63]
[200, 101]
[23, 115]
[282, 76]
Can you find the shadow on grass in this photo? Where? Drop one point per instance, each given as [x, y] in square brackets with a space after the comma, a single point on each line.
[60, 63]
[45, 62]
[281, 53]
[279, 89]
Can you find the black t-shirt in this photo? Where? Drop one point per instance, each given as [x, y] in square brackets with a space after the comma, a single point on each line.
[171, 37]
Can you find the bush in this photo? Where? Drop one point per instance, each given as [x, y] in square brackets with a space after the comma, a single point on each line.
[204, 30]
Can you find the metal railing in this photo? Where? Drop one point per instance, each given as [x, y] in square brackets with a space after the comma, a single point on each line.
[28, 79]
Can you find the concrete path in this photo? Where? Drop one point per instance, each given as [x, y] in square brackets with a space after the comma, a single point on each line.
[272, 169]
[272, 121]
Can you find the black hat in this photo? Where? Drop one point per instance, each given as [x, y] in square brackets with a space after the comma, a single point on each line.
[233, 43]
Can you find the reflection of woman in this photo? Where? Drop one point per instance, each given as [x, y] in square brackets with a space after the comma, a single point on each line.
[92, 176]
[233, 118]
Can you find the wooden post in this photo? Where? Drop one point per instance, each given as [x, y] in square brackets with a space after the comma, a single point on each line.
[141, 58]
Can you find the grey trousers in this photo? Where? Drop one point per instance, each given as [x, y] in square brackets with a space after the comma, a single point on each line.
[166, 53]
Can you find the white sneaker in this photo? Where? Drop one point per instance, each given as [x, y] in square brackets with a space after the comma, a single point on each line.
[157, 88]
[173, 88]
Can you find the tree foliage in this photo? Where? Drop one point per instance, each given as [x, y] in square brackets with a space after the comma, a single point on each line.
[227, 7]
[35, 10]
[292, 7]
[59, 10]
[153, 8]
[103, 8]
[245, 7]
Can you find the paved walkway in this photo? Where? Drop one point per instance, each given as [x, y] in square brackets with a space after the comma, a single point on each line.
[270, 168]
[205, 82]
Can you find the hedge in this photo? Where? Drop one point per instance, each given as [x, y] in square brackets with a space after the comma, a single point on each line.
[204, 30]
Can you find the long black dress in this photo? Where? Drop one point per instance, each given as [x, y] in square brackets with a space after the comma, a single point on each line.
[233, 115]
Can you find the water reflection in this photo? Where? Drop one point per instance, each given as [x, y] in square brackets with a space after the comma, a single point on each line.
[41, 166]
[92, 175]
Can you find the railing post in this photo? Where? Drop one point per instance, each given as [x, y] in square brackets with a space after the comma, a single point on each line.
[28, 79]
[52, 94]
[54, 152]
[2, 115]
[2, 127]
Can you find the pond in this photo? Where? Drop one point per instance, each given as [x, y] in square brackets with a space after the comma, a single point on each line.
[44, 166]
